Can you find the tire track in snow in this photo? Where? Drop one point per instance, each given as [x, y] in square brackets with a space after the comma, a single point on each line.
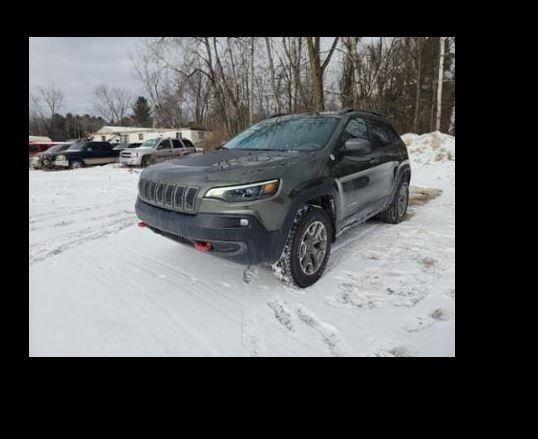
[328, 333]
[55, 246]
[190, 285]
[173, 321]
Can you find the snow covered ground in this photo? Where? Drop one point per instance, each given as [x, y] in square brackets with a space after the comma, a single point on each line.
[101, 286]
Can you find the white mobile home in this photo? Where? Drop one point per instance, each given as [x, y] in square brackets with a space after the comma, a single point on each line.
[134, 134]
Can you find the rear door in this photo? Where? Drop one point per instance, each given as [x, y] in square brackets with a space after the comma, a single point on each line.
[189, 146]
[163, 151]
[386, 144]
[101, 153]
[177, 148]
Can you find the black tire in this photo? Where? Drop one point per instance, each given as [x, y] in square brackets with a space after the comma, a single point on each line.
[146, 161]
[76, 164]
[397, 209]
[289, 267]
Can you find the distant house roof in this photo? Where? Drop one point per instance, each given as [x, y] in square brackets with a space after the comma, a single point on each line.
[112, 130]
[40, 139]
[116, 130]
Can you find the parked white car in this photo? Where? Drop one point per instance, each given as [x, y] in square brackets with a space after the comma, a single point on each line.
[157, 150]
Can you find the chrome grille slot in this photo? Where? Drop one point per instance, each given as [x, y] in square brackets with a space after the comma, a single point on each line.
[151, 190]
[178, 197]
[190, 197]
[159, 193]
[169, 194]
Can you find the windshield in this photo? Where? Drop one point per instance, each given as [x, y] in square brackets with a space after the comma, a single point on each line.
[299, 134]
[134, 145]
[57, 148]
[77, 146]
[150, 143]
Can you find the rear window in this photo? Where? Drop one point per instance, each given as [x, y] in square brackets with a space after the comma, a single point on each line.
[380, 134]
[57, 148]
[77, 146]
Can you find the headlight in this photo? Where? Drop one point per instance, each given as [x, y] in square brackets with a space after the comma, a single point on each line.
[60, 157]
[245, 192]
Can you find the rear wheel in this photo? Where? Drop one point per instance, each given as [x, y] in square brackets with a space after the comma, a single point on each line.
[398, 206]
[307, 248]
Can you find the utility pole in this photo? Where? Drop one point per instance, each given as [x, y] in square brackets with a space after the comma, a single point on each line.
[440, 83]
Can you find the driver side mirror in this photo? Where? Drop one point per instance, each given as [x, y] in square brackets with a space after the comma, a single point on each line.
[357, 147]
[89, 149]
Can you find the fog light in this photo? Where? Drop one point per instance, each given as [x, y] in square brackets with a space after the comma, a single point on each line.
[243, 222]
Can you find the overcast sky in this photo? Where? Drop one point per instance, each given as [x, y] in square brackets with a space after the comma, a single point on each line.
[78, 65]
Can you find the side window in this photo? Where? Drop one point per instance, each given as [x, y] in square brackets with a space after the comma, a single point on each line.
[379, 134]
[176, 144]
[355, 129]
[394, 137]
[165, 144]
[188, 143]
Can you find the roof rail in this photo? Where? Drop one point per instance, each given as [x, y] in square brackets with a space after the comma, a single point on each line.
[277, 115]
[351, 109]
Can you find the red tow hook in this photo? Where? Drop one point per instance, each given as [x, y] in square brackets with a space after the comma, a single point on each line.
[142, 224]
[202, 246]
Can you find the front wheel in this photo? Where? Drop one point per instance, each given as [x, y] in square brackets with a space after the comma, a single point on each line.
[146, 161]
[307, 248]
[76, 164]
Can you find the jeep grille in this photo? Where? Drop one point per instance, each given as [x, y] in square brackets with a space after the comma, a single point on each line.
[171, 196]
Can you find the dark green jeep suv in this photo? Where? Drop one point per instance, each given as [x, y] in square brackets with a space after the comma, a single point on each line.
[281, 192]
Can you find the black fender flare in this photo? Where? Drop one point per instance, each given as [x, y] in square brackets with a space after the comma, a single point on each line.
[403, 171]
[305, 193]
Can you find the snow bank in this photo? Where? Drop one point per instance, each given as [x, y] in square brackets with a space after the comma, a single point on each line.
[433, 159]
[431, 147]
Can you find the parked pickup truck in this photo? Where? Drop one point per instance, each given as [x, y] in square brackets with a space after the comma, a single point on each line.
[83, 154]
[44, 159]
[157, 150]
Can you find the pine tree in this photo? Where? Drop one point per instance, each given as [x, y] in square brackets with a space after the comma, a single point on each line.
[142, 113]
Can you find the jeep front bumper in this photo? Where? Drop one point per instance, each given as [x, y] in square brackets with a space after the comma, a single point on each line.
[229, 237]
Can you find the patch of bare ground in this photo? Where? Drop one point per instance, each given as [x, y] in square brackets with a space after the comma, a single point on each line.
[419, 196]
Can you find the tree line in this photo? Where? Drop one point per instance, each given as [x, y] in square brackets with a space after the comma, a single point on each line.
[111, 105]
[227, 83]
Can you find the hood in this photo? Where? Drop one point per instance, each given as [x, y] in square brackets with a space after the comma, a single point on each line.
[227, 167]
[139, 148]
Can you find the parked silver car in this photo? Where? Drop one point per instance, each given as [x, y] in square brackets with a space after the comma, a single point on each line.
[157, 150]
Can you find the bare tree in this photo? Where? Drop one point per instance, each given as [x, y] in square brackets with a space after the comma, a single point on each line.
[440, 83]
[52, 97]
[111, 103]
[317, 68]
[272, 72]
